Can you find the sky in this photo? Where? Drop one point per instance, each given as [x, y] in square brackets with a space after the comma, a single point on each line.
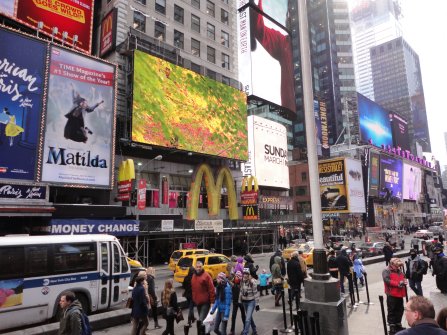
[425, 25]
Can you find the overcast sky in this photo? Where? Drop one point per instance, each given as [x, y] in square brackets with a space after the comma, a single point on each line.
[425, 28]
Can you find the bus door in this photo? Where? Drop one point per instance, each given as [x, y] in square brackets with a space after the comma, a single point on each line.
[105, 276]
[120, 275]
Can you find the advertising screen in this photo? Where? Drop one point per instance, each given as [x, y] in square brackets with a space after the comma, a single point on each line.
[74, 17]
[356, 193]
[374, 174]
[375, 127]
[390, 178]
[265, 59]
[268, 152]
[80, 121]
[22, 84]
[178, 108]
[333, 186]
[412, 182]
[320, 114]
[399, 127]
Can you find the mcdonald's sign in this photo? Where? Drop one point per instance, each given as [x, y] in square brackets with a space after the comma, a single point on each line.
[126, 173]
[250, 212]
[249, 183]
[107, 42]
[213, 191]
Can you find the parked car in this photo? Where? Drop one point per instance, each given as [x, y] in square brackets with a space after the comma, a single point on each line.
[370, 249]
[423, 234]
[436, 230]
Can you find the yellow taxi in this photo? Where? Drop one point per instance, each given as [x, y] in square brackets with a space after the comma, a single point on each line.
[212, 263]
[134, 263]
[177, 254]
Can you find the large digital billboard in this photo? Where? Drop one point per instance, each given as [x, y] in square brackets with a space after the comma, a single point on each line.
[22, 78]
[333, 193]
[412, 183]
[267, 144]
[355, 187]
[399, 127]
[374, 174]
[265, 59]
[390, 178]
[276, 9]
[178, 108]
[72, 16]
[80, 121]
[375, 127]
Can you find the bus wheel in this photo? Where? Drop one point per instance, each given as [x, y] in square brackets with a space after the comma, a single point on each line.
[84, 302]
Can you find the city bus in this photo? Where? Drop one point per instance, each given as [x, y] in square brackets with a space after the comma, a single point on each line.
[35, 270]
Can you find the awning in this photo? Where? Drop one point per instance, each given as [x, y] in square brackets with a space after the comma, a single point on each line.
[26, 210]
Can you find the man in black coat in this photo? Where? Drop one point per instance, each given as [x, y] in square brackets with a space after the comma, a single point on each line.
[278, 253]
[344, 269]
[295, 278]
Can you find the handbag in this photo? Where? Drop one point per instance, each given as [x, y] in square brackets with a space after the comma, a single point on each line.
[129, 302]
[179, 316]
[170, 311]
[277, 281]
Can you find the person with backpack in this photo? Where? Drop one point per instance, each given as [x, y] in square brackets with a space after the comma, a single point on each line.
[416, 269]
[73, 321]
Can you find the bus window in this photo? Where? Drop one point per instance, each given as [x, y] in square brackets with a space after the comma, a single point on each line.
[12, 262]
[37, 261]
[75, 257]
[104, 258]
[116, 259]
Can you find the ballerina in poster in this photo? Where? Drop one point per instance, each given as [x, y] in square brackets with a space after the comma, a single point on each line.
[12, 129]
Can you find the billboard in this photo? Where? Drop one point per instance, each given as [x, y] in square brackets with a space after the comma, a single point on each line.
[390, 178]
[107, 39]
[73, 17]
[80, 121]
[7, 7]
[333, 186]
[399, 128]
[267, 145]
[276, 9]
[356, 192]
[265, 59]
[412, 185]
[374, 174]
[375, 127]
[22, 78]
[178, 108]
[322, 132]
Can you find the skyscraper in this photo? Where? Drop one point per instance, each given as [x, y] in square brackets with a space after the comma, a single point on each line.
[372, 23]
[398, 87]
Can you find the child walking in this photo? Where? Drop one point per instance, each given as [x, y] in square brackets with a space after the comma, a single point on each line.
[264, 282]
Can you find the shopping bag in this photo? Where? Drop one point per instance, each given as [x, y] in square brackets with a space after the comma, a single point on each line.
[209, 322]
[179, 316]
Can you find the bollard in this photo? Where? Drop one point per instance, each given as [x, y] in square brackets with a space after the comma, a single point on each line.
[383, 314]
[291, 305]
[284, 308]
[295, 323]
[356, 287]
[306, 324]
[312, 324]
[366, 285]
[300, 321]
[186, 330]
[317, 323]
[275, 331]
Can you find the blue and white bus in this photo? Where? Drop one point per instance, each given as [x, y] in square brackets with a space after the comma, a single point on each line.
[35, 270]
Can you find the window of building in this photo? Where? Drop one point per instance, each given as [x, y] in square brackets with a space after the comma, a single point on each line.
[225, 61]
[195, 23]
[211, 74]
[211, 54]
[225, 1]
[160, 31]
[179, 39]
[225, 39]
[160, 6]
[195, 47]
[303, 176]
[139, 21]
[196, 68]
[300, 191]
[195, 3]
[143, 2]
[226, 80]
[210, 8]
[179, 14]
[224, 16]
[211, 31]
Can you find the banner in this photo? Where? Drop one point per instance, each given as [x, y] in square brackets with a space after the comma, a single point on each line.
[85, 226]
[167, 225]
[214, 225]
[72, 16]
[412, 184]
[333, 186]
[22, 78]
[80, 121]
[29, 192]
[141, 196]
[321, 125]
[107, 39]
[356, 192]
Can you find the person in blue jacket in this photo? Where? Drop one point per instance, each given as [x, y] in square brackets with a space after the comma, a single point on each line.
[264, 282]
[222, 304]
